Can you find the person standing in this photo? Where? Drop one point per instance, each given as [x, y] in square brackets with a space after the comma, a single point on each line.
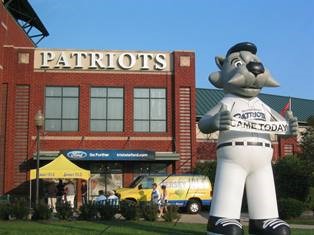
[163, 200]
[70, 193]
[52, 196]
[84, 192]
[155, 196]
[60, 191]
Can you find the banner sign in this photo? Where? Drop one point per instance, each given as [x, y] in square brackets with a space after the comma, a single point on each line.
[111, 155]
[275, 127]
[77, 60]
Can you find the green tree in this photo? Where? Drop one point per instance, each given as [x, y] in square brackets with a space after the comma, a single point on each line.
[307, 142]
[206, 168]
[293, 178]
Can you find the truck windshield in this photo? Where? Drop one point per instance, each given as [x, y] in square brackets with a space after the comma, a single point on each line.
[136, 181]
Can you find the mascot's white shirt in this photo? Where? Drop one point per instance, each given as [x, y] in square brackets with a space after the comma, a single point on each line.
[247, 109]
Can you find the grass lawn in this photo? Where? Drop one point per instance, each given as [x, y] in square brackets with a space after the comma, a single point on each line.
[307, 221]
[116, 227]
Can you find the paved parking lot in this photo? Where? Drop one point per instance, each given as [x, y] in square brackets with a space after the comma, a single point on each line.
[200, 218]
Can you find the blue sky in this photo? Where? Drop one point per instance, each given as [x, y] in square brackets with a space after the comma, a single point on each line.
[282, 30]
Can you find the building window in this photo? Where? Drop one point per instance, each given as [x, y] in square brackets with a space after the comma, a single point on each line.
[61, 111]
[106, 109]
[149, 168]
[150, 110]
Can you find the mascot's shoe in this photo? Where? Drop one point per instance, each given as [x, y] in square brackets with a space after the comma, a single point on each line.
[223, 226]
[269, 227]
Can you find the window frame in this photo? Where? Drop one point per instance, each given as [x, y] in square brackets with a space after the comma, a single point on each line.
[62, 118]
[106, 100]
[150, 120]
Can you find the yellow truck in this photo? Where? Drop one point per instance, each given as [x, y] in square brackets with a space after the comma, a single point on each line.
[189, 191]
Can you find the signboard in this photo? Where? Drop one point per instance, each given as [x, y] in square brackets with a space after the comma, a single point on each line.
[275, 127]
[77, 60]
[110, 155]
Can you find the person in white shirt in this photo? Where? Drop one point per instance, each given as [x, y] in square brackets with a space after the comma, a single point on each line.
[112, 199]
[155, 196]
[69, 190]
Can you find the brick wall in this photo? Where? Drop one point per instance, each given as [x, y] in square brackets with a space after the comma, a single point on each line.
[21, 134]
[3, 98]
[19, 75]
[11, 35]
[184, 110]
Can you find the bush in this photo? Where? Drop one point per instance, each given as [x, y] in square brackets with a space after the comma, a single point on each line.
[290, 208]
[64, 210]
[20, 209]
[293, 178]
[5, 211]
[88, 211]
[129, 209]
[42, 212]
[150, 211]
[171, 213]
[206, 168]
[107, 212]
[310, 200]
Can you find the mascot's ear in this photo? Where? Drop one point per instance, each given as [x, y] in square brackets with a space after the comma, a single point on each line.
[215, 79]
[219, 61]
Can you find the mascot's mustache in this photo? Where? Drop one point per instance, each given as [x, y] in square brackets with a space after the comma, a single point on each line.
[240, 80]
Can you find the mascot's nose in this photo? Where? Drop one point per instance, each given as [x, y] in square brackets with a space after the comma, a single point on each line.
[255, 67]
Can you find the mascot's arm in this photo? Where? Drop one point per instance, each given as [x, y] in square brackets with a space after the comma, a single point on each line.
[217, 119]
[292, 120]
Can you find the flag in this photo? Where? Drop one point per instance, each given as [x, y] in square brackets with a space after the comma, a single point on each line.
[286, 108]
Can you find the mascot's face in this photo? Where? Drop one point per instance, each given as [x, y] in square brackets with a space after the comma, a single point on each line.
[242, 72]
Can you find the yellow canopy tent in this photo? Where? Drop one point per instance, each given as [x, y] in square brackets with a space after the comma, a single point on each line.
[61, 168]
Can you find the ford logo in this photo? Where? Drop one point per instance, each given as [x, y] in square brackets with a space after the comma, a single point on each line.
[77, 154]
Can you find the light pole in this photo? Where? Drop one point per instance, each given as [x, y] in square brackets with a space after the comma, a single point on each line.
[39, 121]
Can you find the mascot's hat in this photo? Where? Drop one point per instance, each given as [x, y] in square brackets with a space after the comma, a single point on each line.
[243, 46]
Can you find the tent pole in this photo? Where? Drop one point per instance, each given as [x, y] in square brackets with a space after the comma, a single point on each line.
[88, 190]
[30, 193]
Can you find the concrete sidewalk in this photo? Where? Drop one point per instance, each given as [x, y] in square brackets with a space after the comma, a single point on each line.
[202, 218]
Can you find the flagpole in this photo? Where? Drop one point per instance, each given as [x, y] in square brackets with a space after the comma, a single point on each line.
[290, 105]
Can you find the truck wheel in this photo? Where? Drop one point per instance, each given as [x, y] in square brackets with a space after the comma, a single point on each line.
[193, 206]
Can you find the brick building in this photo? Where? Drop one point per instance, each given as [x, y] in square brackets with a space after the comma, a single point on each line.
[117, 113]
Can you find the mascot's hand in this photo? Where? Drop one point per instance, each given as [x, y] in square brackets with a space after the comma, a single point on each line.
[223, 118]
[293, 123]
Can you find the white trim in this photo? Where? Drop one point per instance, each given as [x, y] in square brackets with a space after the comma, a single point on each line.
[101, 71]
[96, 138]
[4, 25]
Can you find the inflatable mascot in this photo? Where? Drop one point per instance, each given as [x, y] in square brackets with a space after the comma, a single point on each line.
[244, 150]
